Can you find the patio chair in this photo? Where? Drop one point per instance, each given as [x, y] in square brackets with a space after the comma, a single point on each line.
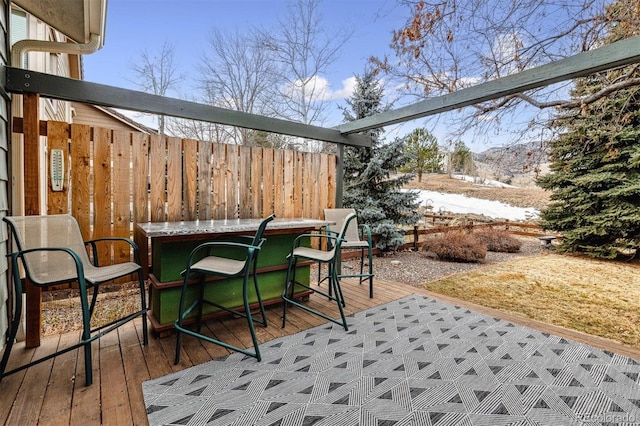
[356, 238]
[52, 251]
[330, 255]
[225, 259]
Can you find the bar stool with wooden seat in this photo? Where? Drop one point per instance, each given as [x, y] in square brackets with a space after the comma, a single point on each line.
[331, 241]
[225, 259]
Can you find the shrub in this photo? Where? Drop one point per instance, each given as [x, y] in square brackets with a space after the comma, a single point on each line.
[457, 247]
[498, 241]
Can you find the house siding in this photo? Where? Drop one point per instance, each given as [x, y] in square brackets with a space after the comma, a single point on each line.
[4, 171]
[93, 116]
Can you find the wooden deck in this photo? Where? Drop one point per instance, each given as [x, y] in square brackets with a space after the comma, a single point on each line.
[53, 392]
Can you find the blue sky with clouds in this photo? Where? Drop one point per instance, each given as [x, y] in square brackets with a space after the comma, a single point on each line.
[136, 25]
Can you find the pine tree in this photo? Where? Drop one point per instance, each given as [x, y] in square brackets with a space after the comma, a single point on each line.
[422, 148]
[368, 185]
[595, 164]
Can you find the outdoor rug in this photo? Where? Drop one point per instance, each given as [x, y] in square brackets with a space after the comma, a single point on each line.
[414, 361]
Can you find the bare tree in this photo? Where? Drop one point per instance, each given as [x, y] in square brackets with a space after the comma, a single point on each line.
[156, 74]
[304, 47]
[448, 45]
[237, 74]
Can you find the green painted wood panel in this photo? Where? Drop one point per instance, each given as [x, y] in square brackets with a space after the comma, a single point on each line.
[170, 258]
[164, 302]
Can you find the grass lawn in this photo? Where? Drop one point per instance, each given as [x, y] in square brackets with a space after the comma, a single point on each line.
[601, 298]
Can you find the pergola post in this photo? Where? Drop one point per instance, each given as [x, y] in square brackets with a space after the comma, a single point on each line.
[31, 120]
[339, 175]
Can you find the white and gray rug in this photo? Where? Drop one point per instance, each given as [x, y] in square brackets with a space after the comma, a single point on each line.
[414, 361]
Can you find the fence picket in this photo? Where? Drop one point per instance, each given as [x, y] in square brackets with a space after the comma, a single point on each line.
[219, 173]
[102, 189]
[205, 190]
[278, 183]
[58, 136]
[231, 181]
[140, 197]
[80, 178]
[189, 179]
[288, 187]
[307, 181]
[121, 176]
[174, 179]
[157, 178]
[267, 181]
[256, 183]
[244, 182]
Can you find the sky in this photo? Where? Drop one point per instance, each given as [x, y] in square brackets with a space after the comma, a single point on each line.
[136, 25]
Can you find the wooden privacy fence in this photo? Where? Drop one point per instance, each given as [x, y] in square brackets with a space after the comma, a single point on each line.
[115, 179]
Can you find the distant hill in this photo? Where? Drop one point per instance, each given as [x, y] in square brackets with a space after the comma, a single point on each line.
[518, 164]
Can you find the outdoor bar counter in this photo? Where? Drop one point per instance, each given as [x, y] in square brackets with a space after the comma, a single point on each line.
[172, 242]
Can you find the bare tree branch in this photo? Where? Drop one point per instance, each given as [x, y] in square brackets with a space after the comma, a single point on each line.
[448, 45]
[157, 74]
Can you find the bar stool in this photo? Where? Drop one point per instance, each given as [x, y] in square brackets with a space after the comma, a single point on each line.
[300, 251]
[356, 238]
[51, 251]
[227, 259]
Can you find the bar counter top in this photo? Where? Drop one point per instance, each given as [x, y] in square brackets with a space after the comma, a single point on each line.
[168, 229]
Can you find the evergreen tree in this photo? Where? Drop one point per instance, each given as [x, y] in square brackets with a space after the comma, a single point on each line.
[462, 158]
[368, 185]
[422, 148]
[595, 164]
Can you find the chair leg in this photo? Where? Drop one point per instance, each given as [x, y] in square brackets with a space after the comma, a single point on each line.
[288, 284]
[370, 273]
[361, 265]
[200, 305]
[178, 323]
[94, 299]
[247, 311]
[335, 282]
[334, 288]
[86, 331]
[176, 360]
[259, 297]
[338, 290]
[13, 331]
[143, 306]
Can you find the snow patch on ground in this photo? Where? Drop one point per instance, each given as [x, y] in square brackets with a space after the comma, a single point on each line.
[482, 181]
[458, 203]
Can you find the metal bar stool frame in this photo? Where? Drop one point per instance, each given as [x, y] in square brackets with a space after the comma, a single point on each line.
[226, 268]
[357, 237]
[46, 262]
[332, 241]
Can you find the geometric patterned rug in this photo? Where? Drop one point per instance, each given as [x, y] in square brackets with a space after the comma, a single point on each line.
[414, 361]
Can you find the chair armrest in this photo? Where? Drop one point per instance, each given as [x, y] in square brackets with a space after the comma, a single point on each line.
[330, 237]
[327, 230]
[365, 232]
[251, 249]
[74, 257]
[94, 247]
